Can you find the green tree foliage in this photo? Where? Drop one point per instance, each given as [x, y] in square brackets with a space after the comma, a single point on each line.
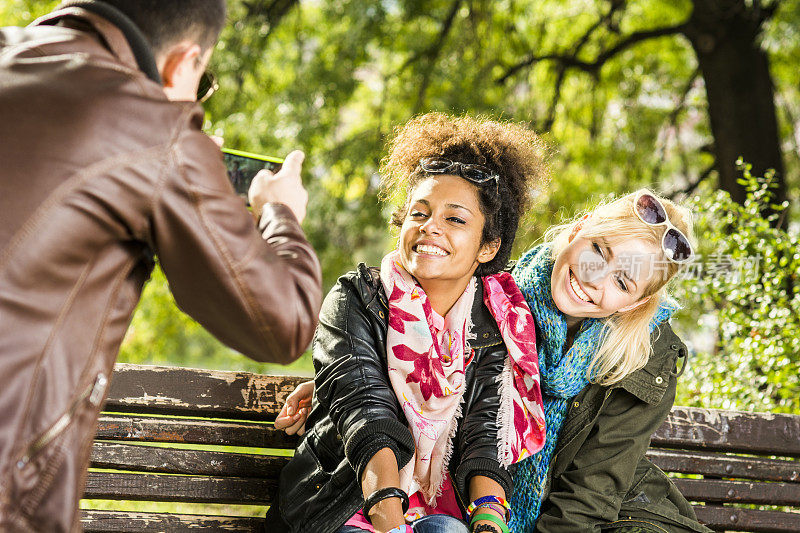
[23, 12]
[747, 301]
[334, 78]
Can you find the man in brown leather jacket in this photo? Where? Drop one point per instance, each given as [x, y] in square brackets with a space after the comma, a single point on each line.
[103, 165]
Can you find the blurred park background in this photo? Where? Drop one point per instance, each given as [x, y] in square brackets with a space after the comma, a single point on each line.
[696, 99]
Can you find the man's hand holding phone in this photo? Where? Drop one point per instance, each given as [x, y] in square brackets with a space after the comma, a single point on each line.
[283, 187]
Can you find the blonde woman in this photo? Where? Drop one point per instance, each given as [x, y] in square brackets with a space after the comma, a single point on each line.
[609, 369]
[608, 363]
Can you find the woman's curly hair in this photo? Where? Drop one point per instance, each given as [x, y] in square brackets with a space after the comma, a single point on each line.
[513, 151]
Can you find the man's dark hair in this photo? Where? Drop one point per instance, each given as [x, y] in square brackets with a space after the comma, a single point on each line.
[165, 22]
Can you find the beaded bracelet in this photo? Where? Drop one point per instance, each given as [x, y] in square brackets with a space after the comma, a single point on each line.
[489, 499]
[485, 528]
[496, 507]
[405, 528]
[490, 518]
[383, 494]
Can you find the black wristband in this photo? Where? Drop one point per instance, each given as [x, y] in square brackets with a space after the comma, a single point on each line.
[382, 494]
[488, 528]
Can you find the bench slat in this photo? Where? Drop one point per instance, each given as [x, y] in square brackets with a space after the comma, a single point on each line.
[231, 403]
[124, 521]
[179, 461]
[719, 491]
[242, 395]
[756, 521]
[169, 488]
[187, 391]
[726, 466]
[145, 429]
[733, 431]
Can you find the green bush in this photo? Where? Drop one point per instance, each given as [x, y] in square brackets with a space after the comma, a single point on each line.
[745, 301]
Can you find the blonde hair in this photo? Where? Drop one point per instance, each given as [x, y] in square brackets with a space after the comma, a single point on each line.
[625, 345]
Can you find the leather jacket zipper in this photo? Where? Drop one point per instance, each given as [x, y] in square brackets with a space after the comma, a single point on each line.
[459, 496]
[93, 393]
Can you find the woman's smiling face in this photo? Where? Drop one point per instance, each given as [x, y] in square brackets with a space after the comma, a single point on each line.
[594, 277]
[440, 239]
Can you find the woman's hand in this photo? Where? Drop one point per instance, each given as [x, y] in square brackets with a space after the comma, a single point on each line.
[480, 486]
[381, 472]
[294, 413]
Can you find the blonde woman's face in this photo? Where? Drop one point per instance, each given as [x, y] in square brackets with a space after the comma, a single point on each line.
[595, 278]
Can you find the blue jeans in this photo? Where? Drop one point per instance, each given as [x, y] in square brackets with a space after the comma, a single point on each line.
[435, 523]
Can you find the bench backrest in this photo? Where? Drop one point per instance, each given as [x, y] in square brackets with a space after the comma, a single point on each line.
[166, 436]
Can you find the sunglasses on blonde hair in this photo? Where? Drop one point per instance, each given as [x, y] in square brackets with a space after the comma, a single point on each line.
[651, 211]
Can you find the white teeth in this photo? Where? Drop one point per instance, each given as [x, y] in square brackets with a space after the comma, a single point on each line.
[431, 250]
[577, 288]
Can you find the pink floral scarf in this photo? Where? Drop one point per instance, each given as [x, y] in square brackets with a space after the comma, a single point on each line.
[427, 358]
[521, 414]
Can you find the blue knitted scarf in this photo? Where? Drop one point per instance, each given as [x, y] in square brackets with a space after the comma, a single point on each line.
[563, 375]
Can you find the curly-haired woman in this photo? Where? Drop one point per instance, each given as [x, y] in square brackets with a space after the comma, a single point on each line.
[410, 422]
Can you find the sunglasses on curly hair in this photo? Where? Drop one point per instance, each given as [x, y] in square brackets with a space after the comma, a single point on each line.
[651, 211]
[477, 174]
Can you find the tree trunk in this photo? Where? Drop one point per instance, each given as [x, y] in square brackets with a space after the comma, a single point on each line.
[741, 105]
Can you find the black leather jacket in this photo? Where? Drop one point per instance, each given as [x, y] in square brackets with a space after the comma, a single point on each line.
[355, 412]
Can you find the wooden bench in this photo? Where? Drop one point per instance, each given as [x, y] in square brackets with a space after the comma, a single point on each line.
[165, 435]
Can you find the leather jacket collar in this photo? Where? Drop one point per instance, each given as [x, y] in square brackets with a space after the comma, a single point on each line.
[120, 34]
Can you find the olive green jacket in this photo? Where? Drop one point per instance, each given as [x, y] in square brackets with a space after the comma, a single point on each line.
[599, 479]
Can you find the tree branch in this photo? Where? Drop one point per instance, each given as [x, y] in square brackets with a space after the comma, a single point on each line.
[592, 67]
[635, 38]
[432, 52]
[693, 184]
[672, 121]
[767, 10]
[272, 12]
[562, 69]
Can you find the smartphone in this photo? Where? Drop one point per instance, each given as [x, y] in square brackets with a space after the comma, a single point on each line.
[243, 166]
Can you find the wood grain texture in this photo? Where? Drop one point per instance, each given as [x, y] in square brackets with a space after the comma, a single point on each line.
[753, 520]
[732, 431]
[124, 522]
[191, 431]
[740, 492]
[725, 466]
[176, 461]
[172, 488]
[172, 390]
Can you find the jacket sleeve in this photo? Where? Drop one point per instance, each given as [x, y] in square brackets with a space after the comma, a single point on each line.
[258, 292]
[477, 437]
[352, 381]
[590, 492]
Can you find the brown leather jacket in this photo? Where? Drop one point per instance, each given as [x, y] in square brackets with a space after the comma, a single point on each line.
[98, 171]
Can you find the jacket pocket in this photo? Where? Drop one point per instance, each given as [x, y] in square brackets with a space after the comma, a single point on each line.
[654, 501]
[307, 490]
[37, 465]
[93, 393]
